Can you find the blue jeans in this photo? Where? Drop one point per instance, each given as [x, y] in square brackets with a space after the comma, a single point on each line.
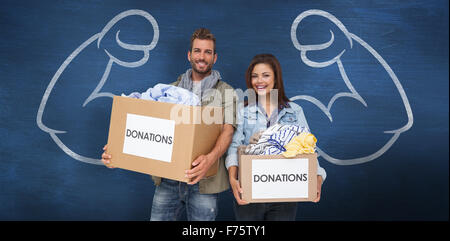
[172, 198]
[266, 211]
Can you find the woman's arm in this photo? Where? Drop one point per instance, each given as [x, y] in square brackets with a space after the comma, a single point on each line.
[235, 186]
[231, 162]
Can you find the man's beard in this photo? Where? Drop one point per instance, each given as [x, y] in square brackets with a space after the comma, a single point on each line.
[207, 70]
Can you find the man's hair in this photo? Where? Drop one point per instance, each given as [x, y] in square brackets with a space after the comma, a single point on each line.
[203, 33]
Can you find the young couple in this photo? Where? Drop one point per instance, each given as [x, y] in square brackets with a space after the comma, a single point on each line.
[199, 198]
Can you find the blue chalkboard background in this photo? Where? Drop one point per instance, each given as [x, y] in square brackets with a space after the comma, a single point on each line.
[406, 181]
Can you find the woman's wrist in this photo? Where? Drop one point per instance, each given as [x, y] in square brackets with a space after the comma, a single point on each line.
[232, 173]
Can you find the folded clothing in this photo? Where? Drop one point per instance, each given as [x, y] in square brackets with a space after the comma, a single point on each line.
[167, 93]
[303, 143]
[255, 138]
[273, 140]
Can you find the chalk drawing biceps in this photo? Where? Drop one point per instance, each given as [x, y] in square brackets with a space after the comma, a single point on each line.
[352, 91]
[96, 93]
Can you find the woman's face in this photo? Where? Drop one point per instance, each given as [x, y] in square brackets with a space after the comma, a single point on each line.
[263, 79]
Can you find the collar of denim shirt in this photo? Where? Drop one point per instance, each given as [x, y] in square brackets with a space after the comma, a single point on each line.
[281, 110]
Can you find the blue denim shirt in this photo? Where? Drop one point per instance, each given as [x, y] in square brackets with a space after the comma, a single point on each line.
[253, 118]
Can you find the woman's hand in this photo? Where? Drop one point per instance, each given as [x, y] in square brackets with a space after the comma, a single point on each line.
[106, 158]
[319, 188]
[235, 186]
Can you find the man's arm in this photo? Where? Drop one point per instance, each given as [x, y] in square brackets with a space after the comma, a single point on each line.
[204, 162]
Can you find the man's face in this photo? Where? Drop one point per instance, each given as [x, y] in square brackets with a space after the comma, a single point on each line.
[202, 56]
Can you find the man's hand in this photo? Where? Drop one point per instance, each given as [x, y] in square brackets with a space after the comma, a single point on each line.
[319, 188]
[106, 158]
[201, 166]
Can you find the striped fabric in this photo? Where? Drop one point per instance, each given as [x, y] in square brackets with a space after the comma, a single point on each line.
[273, 140]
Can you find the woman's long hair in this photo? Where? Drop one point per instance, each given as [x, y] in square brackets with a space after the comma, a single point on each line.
[270, 60]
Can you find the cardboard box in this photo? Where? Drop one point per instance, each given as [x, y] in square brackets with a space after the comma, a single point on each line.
[274, 178]
[161, 139]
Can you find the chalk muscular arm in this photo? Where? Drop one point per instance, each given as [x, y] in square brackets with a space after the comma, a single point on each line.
[204, 162]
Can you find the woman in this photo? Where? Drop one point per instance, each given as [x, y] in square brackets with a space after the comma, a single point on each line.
[265, 78]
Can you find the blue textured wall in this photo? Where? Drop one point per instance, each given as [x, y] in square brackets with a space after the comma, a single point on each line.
[395, 67]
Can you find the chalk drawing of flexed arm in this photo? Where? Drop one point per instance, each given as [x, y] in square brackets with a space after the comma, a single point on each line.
[352, 92]
[97, 91]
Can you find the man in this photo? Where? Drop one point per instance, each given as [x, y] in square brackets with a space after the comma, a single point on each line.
[200, 196]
